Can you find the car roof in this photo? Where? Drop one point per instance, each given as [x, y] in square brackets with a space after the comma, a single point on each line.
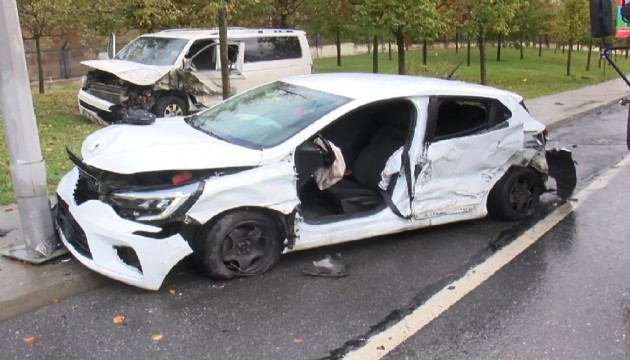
[369, 86]
[232, 32]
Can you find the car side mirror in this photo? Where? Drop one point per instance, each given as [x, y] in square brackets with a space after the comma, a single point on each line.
[187, 64]
[601, 18]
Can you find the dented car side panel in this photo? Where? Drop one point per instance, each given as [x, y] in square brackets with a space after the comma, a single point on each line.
[270, 187]
[458, 173]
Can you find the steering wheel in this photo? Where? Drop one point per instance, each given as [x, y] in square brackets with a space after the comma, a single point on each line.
[328, 154]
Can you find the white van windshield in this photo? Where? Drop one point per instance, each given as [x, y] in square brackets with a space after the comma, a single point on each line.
[266, 116]
[158, 51]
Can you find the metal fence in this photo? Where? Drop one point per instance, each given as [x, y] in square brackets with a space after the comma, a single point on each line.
[62, 63]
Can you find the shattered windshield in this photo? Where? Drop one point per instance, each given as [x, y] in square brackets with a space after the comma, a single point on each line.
[266, 116]
[158, 51]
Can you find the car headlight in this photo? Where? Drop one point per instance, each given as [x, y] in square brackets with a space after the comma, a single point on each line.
[156, 205]
[84, 82]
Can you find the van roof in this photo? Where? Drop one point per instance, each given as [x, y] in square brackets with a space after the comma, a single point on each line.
[214, 32]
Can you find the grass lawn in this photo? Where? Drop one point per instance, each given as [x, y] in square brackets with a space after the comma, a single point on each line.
[531, 77]
[60, 123]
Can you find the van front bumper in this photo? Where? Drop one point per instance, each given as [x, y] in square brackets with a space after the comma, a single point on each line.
[98, 110]
[110, 245]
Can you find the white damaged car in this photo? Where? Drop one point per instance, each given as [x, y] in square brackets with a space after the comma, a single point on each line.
[304, 162]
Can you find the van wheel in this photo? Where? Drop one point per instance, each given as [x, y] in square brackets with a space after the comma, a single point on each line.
[516, 195]
[241, 243]
[169, 106]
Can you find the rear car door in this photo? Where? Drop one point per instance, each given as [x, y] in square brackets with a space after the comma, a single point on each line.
[467, 142]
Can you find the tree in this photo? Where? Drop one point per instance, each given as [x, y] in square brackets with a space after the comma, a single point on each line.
[573, 14]
[44, 18]
[400, 17]
[330, 18]
[482, 17]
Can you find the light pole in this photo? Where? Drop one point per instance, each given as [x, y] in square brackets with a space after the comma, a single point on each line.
[28, 171]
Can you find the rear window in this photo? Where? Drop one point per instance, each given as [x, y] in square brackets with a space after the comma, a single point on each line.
[272, 48]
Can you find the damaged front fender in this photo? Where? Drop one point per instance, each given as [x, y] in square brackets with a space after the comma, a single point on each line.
[562, 169]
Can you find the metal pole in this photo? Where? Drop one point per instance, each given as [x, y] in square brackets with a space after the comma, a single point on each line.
[26, 164]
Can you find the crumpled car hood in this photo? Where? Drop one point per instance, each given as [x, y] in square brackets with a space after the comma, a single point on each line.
[136, 73]
[168, 144]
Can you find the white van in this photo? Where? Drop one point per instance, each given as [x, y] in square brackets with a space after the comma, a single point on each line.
[177, 72]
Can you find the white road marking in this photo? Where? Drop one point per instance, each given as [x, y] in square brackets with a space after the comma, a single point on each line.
[382, 343]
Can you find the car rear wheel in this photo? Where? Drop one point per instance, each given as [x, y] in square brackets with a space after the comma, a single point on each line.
[516, 195]
[241, 243]
[169, 106]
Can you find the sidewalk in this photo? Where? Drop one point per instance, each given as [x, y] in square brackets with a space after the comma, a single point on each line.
[25, 287]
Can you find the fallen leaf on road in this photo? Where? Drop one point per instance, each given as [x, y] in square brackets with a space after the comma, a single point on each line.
[29, 339]
[507, 355]
[118, 319]
[172, 292]
[157, 337]
[55, 300]
[10, 207]
[298, 340]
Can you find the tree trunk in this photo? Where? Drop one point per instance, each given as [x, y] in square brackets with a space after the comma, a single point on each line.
[521, 45]
[446, 42]
[338, 43]
[390, 49]
[540, 41]
[569, 57]
[468, 50]
[400, 41]
[588, 57]
[456, 41]
[482, 58]
[424, 52]
[375, 54]
[223, 44]
[40, 70]
[499, 47]
[563, 47]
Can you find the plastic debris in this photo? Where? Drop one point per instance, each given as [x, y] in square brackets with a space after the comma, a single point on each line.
[330, 266]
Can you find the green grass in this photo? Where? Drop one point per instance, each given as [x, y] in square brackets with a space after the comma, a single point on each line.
[531, 77]
[60, 124]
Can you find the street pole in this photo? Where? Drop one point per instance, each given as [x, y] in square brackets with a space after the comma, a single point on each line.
[26, 165]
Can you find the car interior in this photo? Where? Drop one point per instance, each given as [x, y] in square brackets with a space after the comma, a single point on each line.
[367, 138]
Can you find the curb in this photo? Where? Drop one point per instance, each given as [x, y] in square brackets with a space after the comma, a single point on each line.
[583, 113]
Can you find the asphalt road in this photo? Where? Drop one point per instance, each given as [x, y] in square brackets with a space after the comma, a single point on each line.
[527, 310]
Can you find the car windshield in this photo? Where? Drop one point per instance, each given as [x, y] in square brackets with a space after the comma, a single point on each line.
[266, 116]
[158, 51]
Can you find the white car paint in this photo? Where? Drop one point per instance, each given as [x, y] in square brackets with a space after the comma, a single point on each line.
[135, 73]
[456, 174]
[172, 142]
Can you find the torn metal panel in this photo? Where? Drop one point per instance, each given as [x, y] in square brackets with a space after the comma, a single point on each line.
[135, 73]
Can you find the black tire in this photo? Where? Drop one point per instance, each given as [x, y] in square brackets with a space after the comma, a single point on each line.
[169, 106]
[516, 195]
[240, 243]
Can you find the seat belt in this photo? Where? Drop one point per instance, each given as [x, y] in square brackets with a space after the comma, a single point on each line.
[388, 199]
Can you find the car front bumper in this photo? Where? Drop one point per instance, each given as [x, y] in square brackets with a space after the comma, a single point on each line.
[97, 236]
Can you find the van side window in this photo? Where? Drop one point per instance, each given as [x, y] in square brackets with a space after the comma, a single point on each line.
[462, 117]
[272, 48]
[206, 59]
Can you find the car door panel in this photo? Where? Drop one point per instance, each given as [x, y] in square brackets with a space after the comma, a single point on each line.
[457, 173]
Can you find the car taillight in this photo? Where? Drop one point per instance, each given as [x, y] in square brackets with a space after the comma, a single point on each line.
[180, 177]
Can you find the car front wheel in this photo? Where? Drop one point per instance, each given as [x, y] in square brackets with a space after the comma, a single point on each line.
[240, 243]
[516, 195]
[169, 106]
